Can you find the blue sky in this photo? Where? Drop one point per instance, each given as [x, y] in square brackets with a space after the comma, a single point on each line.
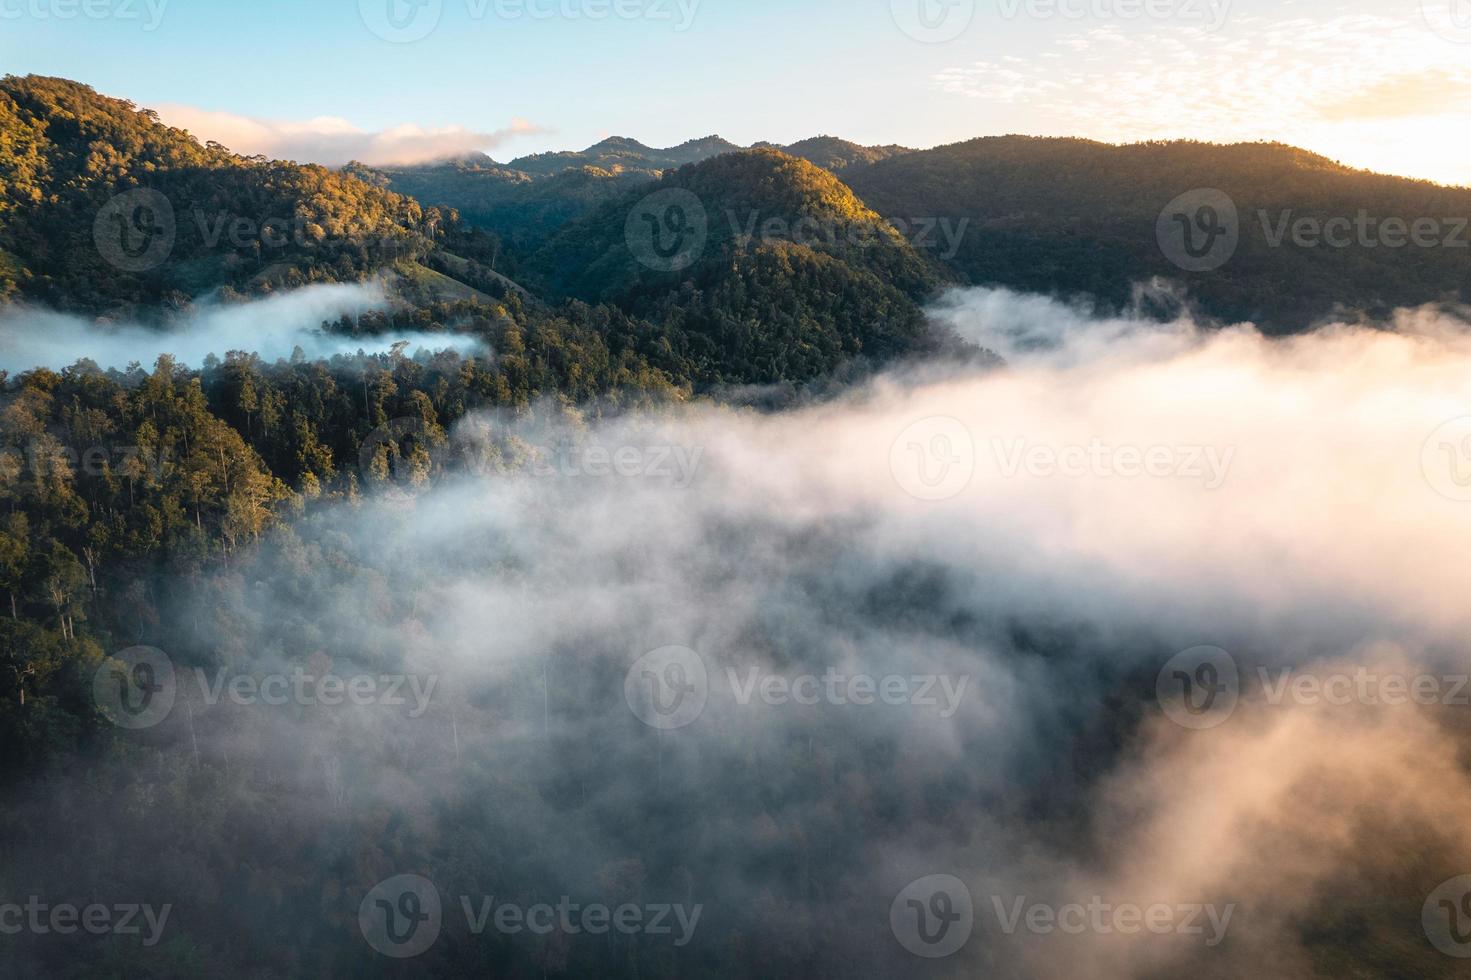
[1367, 81]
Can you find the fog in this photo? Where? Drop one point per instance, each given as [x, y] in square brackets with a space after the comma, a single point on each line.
[1040, 540]
[273, 328]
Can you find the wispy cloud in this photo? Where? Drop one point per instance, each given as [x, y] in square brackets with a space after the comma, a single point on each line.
[333, 141]
[271, 327]
[1375, 91]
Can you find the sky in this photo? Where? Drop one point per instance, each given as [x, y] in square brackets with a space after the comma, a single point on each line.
[1382, 84]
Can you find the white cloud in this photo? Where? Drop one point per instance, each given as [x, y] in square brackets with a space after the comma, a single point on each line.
[1376, 91]
[270, 327]
[333, 141]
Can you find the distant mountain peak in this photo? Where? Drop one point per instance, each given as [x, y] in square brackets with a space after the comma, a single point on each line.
[619, 143]
[833, 153]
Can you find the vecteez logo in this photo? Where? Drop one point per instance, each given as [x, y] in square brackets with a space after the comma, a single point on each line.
[1199, 231]
[667, 230]
[401, 458]
[933, 916]
[401, 21]
[1198, 688]
[1446, 917]
[401, 916]
[1451, 19]
[1445, 460]
[135, 231]
[934, 459]
[933, 21]
[667, 688]
[136, 688]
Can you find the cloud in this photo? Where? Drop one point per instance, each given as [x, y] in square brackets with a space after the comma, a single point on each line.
[1431, 93]
[271, 327]
[530, 581]
[1374, 90]
[333, 142]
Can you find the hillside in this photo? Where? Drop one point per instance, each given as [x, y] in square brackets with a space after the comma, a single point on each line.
[831, 153]
[620, 153]
[108, 212]
[740, 194]
[521, 210]
[783, 269]
[1073, 216]
[525, 201]
[106, 208]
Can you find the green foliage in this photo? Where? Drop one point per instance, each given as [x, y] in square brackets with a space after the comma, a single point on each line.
[246, 222]
[753, 308]
[1069, 216]
[518, 209]
[831, 153]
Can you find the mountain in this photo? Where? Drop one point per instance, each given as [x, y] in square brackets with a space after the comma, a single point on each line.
[619, 153]
[107, 208]
[110, 213]
[526, 201]
[837, 155]
[784, 270]
[1071, 216]
[520, 209]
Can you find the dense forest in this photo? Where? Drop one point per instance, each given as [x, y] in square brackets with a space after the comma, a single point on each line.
[245, 511]
[1073, 217]
[1066, 217]
[191, 464]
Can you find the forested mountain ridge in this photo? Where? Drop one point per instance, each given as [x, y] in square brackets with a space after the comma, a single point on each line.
[1073, 216]
[620, 153]
[1069, 217]
[204, 217]
[202, 508]
[525, 201]
[747, 199]
[839, 155]
[782, 266]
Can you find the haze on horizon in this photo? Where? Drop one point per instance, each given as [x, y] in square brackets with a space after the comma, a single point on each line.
[1373, 84]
